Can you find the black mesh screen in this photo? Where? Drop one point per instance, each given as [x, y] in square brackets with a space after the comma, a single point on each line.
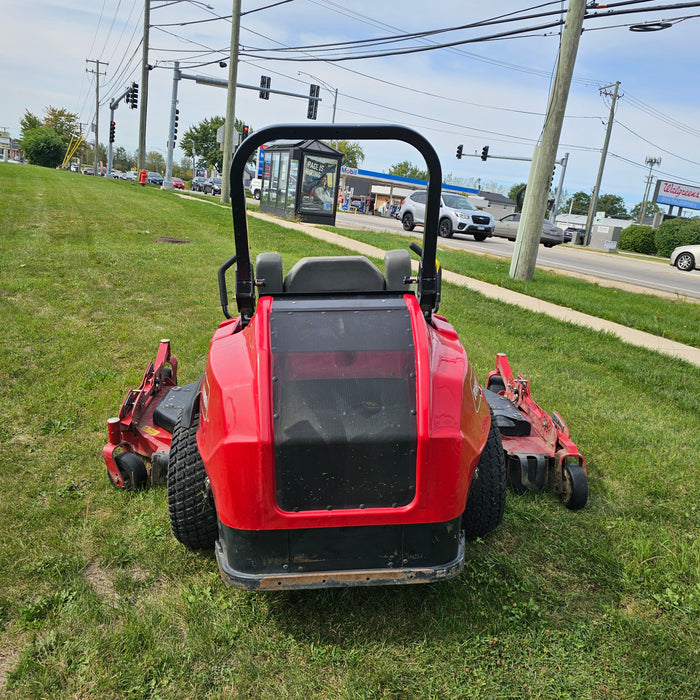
[344, 404]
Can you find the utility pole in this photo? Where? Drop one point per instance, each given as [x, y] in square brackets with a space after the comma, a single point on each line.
[527, 241]
[143, 107]
[97, 105]
[557, 197]
[229, 125]
[651, 162]
[596, 190]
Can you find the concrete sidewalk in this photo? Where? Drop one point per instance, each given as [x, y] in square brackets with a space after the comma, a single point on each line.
[628, 335]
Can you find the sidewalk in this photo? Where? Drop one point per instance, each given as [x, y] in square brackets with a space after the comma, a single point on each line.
[628, 335]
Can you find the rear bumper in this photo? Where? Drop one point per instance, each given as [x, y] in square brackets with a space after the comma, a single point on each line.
[340, 557]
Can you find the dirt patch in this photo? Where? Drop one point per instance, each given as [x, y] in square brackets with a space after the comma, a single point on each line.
[101, 582]
[170, 239]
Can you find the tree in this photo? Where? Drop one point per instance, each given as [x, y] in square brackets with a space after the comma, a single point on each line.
[28, 122]
[122, 160]
[613, 205]
[63, 122]
[649, 210]
[578, 203]
[352, 152]
[199, 141]
[43, 146]
[406, 169]
[154, 162]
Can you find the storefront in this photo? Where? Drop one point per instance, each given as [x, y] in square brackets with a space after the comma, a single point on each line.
[300, 180]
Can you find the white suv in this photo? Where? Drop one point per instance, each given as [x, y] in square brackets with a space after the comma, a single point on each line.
[457, 215]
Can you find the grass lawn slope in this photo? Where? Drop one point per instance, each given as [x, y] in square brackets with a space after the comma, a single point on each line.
[98, 600]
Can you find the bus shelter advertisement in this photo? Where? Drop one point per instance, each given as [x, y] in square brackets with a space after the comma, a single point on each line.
[319, 183]
[676, 194]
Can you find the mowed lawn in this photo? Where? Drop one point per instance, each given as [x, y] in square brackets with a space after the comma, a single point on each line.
[98, 600]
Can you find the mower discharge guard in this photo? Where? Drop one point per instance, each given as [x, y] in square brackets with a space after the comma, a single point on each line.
[339, 435]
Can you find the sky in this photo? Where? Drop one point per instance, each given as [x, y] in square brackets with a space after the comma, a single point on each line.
[492, 92]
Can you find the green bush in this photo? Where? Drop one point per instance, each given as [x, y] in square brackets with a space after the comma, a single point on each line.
[675, 232]
[639, 239]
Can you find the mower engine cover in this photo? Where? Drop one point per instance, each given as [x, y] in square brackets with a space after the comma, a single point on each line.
[340, 426]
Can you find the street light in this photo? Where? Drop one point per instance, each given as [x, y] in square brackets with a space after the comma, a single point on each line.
[328, 87]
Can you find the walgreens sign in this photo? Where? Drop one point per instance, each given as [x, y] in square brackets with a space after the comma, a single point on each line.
[675, 194]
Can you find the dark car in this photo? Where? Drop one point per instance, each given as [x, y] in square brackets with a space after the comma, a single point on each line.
[571, 231]
[212, 186]
[198, 183]
[154, 178]
[507, 227]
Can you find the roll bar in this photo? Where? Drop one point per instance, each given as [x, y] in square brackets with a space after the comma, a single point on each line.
[427, 276]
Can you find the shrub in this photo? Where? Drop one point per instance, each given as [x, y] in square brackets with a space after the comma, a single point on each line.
[639, 239]
[43, 146]
[675, 232]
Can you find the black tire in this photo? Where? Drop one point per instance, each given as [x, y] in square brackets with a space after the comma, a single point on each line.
[548, 245]
[487, 495]
[445, 228]
[132, 470]
[480, 237]
[407, 221]
[574, 493]
[191, 506]
[256, 194]
[685, 262]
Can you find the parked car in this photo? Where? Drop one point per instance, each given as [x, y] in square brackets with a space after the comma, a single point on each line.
[129, 175]
[212, 186]
[507, 227]
[115, 174]
[686, 257]
[571, 231]
[198, 183]
[88, 171]
[154, 178]
[178, 184]
[255, 187]
[457, 215]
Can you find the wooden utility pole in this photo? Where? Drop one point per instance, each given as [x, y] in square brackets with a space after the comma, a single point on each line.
[528, 239]
[593, 205]
[229, 126]
[143, 106]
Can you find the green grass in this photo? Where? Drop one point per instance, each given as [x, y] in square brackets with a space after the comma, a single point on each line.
[676, 319]
[97, 599]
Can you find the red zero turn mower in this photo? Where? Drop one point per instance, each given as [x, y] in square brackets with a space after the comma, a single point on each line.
[338, 435]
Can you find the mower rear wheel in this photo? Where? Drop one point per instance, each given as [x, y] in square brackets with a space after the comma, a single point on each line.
[190, 503]
[487, 495]
[132, 470]
[574, 493]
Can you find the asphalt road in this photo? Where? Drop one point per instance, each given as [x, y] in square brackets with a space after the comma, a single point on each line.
[617, 269]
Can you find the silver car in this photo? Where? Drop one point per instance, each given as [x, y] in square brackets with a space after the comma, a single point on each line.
[507, 227]
[686, 257]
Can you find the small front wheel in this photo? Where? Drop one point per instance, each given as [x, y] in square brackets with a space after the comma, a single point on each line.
[132, 471]
[407, 221]
[574, 492]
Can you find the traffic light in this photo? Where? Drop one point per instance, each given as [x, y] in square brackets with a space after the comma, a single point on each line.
[112, 125]
[177, 119]
[134, 99]
[264, 93]
[551, 182]
[484, 153]
[312, 110]
[245, 131]
[460, 148]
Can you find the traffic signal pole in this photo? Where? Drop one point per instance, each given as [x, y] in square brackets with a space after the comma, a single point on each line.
[144, 85]
[538, 183]
[168, 181]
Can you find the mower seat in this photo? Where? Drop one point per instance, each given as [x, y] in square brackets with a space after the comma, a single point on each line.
[351, 273]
